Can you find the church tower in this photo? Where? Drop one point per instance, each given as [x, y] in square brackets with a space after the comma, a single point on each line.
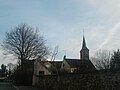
[84, 52]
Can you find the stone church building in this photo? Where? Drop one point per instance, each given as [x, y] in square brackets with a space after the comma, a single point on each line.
[81, 65]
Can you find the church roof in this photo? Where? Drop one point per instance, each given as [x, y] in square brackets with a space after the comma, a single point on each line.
[56, 64]
[81, 64]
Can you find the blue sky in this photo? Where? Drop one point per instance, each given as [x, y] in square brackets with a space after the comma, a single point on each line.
[63, 21]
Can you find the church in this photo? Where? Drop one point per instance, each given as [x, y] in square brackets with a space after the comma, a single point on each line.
[81, 65]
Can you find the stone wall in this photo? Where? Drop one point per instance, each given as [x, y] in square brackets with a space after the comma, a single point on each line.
[102, 80]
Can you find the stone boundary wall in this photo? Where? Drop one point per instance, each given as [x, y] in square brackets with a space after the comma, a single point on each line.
[102, 80]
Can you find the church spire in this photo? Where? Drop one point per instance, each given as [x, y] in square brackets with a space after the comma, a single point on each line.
[84, 43]
[84, 53]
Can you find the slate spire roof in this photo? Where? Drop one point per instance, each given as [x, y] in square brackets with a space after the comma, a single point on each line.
[84, 44]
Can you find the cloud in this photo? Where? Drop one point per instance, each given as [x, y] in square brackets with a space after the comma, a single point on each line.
[93, 2]
[63, 24]
[111, 33]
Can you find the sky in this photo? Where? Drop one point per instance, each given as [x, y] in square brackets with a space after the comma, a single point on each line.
[62, 22]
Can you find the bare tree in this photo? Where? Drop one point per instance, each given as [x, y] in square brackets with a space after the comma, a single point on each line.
[25, 43]
[54, 53]
[102, 59]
